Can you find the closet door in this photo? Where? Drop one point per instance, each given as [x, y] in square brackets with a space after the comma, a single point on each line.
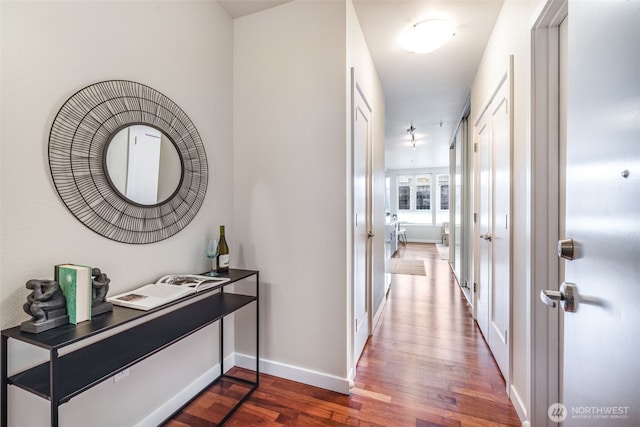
[493, 228]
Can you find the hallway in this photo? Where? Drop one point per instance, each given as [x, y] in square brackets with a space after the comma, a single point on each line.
[427, 353]
[426, 364]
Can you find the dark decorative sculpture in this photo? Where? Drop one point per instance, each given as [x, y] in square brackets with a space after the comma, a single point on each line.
[46, 305]
[100, 287]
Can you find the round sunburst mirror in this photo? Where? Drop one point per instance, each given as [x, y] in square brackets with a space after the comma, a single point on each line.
[127, 162]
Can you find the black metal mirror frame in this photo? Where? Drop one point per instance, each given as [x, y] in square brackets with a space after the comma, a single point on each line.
[78, 141]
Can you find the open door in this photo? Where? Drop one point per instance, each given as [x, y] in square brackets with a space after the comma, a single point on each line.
[601, 292]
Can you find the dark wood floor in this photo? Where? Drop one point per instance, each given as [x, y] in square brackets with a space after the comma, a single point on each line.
[425, 365]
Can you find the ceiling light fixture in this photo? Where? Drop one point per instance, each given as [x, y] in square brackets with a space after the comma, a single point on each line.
[427, 36]
[412, 131]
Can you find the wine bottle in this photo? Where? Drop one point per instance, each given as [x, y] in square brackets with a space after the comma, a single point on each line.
[223, 253]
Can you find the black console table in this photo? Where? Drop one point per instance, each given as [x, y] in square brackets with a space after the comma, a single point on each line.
[142, 333]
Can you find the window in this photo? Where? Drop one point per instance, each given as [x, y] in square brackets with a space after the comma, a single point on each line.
[404, 192]
[423, 193]
[421, 198]
[443, 185]
[414, 195]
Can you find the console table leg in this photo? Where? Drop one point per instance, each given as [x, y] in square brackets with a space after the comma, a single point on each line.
[257, 328]
[221, 346]
[5, 384]
[53, 387]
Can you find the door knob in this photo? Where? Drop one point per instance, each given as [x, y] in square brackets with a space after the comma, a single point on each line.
[486, 237]
[566, 249]
[567, 296]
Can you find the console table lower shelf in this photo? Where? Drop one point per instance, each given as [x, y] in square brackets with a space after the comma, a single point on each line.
[142, 334]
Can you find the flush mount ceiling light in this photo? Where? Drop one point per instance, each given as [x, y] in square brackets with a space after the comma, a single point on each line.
[427, 36]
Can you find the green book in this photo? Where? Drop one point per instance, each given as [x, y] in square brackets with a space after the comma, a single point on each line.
[75, 282]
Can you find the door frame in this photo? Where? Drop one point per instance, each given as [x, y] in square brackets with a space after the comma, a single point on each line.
[545, 351]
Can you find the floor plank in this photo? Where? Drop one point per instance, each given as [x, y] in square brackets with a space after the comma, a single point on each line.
[425, 365]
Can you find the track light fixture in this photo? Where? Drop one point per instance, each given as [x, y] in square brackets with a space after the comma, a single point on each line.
[412, 131]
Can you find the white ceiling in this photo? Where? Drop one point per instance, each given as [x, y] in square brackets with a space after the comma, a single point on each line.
[237, 8]
[429, 90]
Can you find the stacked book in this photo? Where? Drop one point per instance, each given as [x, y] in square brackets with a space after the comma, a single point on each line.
[76, 284]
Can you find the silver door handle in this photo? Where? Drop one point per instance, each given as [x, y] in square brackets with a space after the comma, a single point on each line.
[486, 237]
[550, 297]
[567, 296]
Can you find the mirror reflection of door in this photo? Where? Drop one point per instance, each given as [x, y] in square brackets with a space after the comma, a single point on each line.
[143, 164]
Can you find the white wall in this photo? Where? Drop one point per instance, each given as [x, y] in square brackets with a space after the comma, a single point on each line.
[291, 181]
[423, 233]
[511, 35]
[49, 51]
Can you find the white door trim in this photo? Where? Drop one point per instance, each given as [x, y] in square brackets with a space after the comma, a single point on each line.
[544, 327]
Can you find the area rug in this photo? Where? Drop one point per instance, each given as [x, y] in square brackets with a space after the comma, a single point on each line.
[414, 267]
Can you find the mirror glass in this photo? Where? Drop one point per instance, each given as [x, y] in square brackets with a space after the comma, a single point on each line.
[143, 164]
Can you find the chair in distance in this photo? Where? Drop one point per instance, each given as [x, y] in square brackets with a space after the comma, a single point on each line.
[402, 236]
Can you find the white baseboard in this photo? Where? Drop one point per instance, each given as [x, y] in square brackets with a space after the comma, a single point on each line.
[183, 396]
[295, 373]
[376, 317]
[518, 405]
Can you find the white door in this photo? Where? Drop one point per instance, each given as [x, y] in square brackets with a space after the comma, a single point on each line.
[483, 267]
[499, 306]
[494, 230]
[361, 198]
[144, 164]
[601, 378]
